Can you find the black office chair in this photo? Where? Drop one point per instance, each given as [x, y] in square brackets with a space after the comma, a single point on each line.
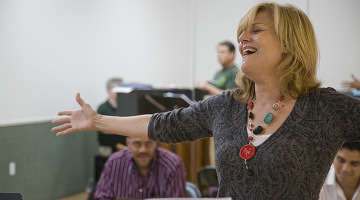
[208, 181]
[11, 196]
[192, 191]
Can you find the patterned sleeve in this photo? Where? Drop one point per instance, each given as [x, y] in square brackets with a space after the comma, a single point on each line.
[343, 114]
[194, 122]
[184, 124]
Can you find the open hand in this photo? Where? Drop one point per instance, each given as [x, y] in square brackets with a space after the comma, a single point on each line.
[78, 120]
[355, 83]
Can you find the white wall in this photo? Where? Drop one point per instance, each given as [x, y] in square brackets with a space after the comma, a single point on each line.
[51, 49]
[337, 26]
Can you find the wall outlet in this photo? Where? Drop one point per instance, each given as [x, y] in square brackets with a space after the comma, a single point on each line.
[12, 168]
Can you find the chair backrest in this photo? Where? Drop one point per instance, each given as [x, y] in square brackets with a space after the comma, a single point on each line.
[207, 176]
[208, 181]
[11, 196]
[192, 191]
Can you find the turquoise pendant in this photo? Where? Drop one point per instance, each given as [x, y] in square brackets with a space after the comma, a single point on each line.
[268, 118]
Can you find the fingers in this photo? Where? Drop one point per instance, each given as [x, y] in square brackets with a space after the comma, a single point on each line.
[354, 78]
[68, 113]
[61, 127]
[346, 86]
[68, 131]
[61, 120]
[66, 126]
[64, 129]
[345, 83]
[80, 101]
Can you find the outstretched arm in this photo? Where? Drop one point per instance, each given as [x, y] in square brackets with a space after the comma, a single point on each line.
[355, 83]
[87, 119]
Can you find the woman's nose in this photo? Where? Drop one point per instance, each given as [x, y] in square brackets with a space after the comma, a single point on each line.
[244, 36]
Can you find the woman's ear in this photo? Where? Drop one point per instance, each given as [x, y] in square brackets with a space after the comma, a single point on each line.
[285, 49]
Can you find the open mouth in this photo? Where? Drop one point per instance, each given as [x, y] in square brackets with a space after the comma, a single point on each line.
[249, 51]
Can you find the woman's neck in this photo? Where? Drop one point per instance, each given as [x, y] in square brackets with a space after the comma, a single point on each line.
[268, 92]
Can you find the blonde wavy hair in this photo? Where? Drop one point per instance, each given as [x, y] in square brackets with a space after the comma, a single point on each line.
[298, 68]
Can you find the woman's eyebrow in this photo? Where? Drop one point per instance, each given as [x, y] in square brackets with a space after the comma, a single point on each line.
[258, 23]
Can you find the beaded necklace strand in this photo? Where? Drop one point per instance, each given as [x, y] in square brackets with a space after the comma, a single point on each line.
[248, 151]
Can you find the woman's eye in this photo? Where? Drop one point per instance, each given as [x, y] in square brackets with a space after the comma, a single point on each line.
[256, 31]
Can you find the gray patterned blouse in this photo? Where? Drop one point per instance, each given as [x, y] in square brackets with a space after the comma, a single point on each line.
[291, 164]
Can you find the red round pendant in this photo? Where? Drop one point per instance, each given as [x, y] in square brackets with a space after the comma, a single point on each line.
[247, 152]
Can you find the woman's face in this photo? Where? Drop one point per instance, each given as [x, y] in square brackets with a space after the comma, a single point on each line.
[260, 48]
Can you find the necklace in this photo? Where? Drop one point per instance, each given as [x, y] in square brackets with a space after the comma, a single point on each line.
[248, 151]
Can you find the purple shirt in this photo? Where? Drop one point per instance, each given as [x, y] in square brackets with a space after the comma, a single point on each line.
[120, 179]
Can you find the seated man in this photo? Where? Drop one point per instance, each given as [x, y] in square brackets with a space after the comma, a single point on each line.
[109, 142]
[343, 179]
[141, 171]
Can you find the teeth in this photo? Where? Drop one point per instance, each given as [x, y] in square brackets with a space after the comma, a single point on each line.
[249, 51]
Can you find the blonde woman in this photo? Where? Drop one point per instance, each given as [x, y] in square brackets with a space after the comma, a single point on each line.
[276, 136]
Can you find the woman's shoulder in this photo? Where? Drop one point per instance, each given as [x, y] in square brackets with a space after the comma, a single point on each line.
[226, 95]
[222, 99]
[328, 98]
[332, 95]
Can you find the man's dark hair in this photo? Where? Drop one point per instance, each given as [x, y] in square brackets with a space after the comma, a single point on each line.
[351, 146]
[229, 45]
